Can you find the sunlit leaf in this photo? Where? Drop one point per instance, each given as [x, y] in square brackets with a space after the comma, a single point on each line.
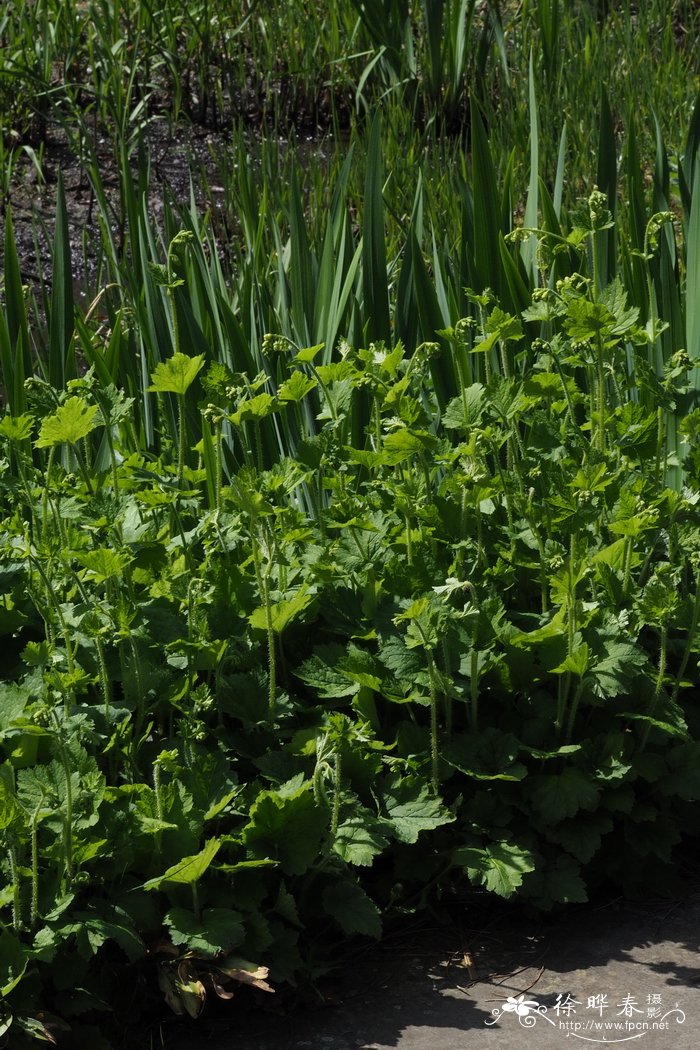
[71, 422]
[177, 374]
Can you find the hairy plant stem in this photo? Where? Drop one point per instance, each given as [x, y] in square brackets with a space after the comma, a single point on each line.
[218, 466]
[16, 899]
[601, 394]
[567, 393]
[448, 699]
[105, 684]
[628, 549]
[34, 899]
[409, 540]
[573, 711]
[694, 616]
[659, 684]
[481, 550]
[660, 443]
[45, 495]
[263, 581]
[506, 494]
[565, 679]
[271, 655]
[474, 686]
[504, 358]
[157, 787]
[181, 439]
[140, 699]
[69, 693]
[196, 906]
[68, 816]
[434, 746]
[337, 775]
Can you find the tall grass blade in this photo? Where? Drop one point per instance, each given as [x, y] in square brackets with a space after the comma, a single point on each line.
[14, 341]
[61, 362]
[606, 176]
[559, 176]
[637, 287]
[375, 287]
[302, 267]
[529, 248]
[686, 170]
[433, 14]
[486, 208]
[692, 287]
[517, 280]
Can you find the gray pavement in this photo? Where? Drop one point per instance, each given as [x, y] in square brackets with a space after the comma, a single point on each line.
[623, 974]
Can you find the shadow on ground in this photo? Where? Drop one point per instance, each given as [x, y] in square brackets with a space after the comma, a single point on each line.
[618, 974]
[621, 973]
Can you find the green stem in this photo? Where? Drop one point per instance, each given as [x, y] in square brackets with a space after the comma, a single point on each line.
[448, 699]
[157, 787]
[573, 711]
[69, 694]
[695, 614]
[140, 699]
[504, 358]
[217, 455]
[271, 655]
[82, 467]
[628, 547]
[113, 462]
[263, 581]
[565, 680]
[68, 818]
[181, 439]
[337, 774]
[660, 443]
[474, 686]
[481, 550]
[434, 746]
[34, 902]
[506, 495]
[409, 541]
[567, 394]
[601, 395]
[45, 495]
[659, 684]
[105, 685]
[16, 900]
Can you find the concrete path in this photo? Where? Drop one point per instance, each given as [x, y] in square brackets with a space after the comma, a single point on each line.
[625, 975]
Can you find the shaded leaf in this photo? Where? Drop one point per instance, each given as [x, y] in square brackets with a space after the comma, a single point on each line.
[412, 809]
[352, 909]
[215, 930]
[287, 828]
[500, 867]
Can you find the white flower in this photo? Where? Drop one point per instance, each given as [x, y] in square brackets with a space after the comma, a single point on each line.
[520, 1006]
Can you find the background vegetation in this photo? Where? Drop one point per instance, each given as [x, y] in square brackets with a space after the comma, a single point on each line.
[350, 554]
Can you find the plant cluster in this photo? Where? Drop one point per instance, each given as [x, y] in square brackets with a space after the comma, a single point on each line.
[248, 711]
[348, 536]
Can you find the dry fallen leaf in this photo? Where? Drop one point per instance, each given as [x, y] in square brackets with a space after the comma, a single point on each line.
[192, 992]
[245, 972]
[223, 993]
